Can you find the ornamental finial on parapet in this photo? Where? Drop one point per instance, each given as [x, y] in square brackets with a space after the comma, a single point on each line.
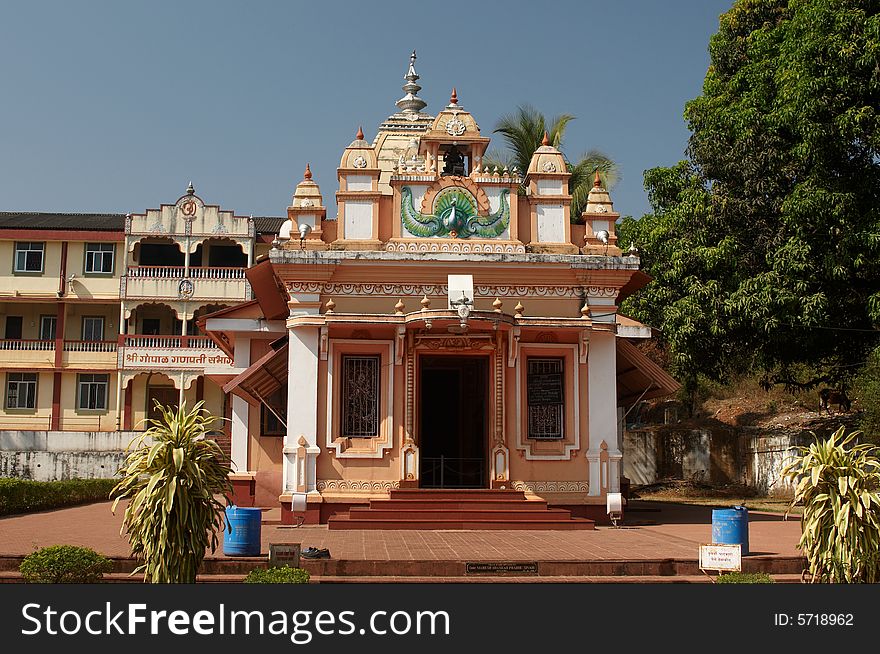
[411, 103]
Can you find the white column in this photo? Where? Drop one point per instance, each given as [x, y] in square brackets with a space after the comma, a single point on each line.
[302, 411]
[240, 410]
[602, 375]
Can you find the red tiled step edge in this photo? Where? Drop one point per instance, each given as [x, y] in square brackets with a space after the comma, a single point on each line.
[345, 522]
[457, 509]
[240, 566]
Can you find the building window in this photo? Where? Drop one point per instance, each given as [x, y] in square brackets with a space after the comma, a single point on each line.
[48, 326]
[360, 396]
[13, 328]
[29, 257]
[92, 392]
[21, 390]
[99, 258]
[93, 328]
[272, 420]
[546, 401]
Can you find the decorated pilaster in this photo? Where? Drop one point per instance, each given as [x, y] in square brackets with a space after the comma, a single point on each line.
[549, 201]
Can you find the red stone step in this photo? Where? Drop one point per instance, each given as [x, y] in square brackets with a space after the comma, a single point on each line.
[347, 522]
[458, 494]
[457, 509]
[456, 513]
[467, 504]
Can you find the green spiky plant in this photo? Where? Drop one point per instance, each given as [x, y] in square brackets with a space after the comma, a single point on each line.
[838, 484]
[173, 484]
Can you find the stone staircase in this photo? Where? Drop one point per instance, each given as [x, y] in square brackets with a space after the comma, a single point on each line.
[457, 509]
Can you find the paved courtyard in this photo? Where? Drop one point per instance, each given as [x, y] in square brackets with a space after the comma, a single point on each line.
[650, 531]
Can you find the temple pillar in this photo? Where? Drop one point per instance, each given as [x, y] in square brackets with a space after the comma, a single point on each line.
[602, 375]
[301, 442]
[240, 410]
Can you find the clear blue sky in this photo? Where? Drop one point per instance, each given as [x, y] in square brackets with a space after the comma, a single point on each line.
[115, 106]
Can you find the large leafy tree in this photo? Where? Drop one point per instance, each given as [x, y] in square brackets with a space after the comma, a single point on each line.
[523, 131]
[765, 246]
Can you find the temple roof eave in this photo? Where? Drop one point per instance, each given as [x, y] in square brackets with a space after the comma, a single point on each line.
[482, 321]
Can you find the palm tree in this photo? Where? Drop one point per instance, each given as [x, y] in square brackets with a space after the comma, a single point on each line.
[523, 132]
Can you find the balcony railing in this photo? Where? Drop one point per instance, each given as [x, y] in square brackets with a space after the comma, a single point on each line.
[177, 272]
[217, 273]
[90, 346]
[167, 341]
[26, 344]
[173, 272]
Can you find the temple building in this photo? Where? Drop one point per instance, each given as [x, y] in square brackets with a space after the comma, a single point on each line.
[454, 328]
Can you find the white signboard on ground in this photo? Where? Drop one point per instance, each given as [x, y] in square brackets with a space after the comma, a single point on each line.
[724, 558]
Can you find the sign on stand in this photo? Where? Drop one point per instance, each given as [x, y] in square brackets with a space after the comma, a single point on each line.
[281, 554]
[721, 558]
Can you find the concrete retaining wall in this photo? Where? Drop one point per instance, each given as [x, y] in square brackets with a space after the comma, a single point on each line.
[715, 456]
[54, 455]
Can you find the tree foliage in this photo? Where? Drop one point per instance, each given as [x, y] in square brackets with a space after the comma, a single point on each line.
[523, 131]
[173, 477]
[765, 245]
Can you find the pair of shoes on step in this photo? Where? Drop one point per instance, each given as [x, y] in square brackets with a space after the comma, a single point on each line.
[315, 553]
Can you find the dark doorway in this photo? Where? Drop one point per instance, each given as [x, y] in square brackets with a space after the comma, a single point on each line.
[453, 421]
[167, 396]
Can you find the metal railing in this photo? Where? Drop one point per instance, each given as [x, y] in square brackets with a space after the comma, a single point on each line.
[453, 472]
[26, 344]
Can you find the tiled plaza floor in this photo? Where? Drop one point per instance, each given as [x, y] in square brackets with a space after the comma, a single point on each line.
[651, 531]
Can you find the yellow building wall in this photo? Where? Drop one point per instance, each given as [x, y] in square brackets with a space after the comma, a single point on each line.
[29, 284]
[72, 419]
[25, 419]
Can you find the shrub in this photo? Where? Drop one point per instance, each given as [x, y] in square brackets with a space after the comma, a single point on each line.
[284, 575]
[745, 578]
[838, 484]
[25, 496]
[173, 484]
[64, 564]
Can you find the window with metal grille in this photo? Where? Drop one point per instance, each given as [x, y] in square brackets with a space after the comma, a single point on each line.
[546, 398]
[92, 392]
[29, 257]
[21, 390]
[99, 258]
[360, 396]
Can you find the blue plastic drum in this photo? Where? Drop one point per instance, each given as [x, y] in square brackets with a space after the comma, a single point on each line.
[731, 527]
[242, 535]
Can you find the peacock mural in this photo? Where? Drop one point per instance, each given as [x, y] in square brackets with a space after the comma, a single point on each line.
[455, 214]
